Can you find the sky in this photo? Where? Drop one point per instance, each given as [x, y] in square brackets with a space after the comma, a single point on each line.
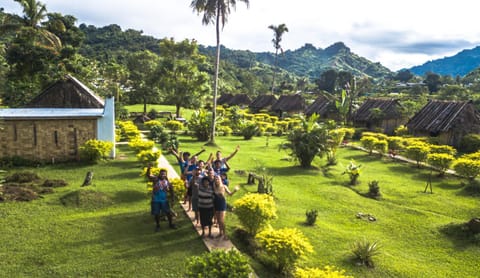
[397, 34]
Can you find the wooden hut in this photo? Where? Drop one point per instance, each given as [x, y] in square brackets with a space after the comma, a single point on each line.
[240, 100]
[289, 104]
[224, 99]
[50, 131]
[447, 120]
[324, 107]
[262, 102]
[379, 113]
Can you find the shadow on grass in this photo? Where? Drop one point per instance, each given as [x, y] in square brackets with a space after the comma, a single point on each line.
[129, 196]
[471, 189]
[460, 235]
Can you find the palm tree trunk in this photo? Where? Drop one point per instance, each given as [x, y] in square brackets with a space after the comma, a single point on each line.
[215, 79]
[274, 70]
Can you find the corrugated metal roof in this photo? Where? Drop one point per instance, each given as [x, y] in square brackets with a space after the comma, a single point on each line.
[43, 113]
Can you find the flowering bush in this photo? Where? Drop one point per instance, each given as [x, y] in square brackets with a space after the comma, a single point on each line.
[148, 156]
[353, 171]
[94, 150]
[140, 145]
[254, 211]
[326, 272]
[283, 247]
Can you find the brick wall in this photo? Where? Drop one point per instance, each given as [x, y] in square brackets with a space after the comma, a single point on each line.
[46, 139]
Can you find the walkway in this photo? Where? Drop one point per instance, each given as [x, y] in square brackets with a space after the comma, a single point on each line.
[211, 244]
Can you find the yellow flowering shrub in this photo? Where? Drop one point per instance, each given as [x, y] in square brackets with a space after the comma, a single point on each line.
[326, 272]
[254, 211]
[283, 247]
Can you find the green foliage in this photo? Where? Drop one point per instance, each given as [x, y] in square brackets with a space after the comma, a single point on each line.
[395, 143]
[364, 251]
[443, 149]
[353, 172]
[95, 150]
[307, 141]
[441, 161]
[128, 130]
[417, 152]
[179, 190]
[283, 247]
[148, 156]
[249, 129]
[349, 132]
[326, 272]
[254, 211]
[141, 145]
[150, 124]
[401, 131]
[368, 142]
[467, 168]
[470, 143]
[174, 125]
[218, 264]
[381, 146]
[200, 124]
[311, 216]
[373, 189]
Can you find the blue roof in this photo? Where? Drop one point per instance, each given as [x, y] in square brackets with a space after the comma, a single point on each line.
[49, 113]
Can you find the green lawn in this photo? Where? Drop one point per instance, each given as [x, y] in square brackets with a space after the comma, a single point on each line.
[419, 233]
[43, 238]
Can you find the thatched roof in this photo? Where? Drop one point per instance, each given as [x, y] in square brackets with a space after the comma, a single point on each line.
[441, 116]
[67, 93]
[224, 99]
[240, 99]
[390, 109]
[321, 106]
[289, 103]
[262, 101]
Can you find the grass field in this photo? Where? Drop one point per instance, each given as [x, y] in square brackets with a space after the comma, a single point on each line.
[419, 233]
[112, 236]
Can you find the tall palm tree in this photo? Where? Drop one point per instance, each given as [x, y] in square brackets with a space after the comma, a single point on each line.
[217, 12]
[33, 14]
[278, 32]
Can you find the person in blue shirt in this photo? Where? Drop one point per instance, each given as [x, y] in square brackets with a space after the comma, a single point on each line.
[161, 189]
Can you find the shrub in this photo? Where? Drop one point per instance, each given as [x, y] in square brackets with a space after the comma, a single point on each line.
[381, 146]
[401, 131]
[282, 125]
[364, 251]
[326, 272]
[128, 130]
[470, 143]
[200, 124]
[152, 123]
[443, 149]
[94, 150]
[158, 134]
[467, 168]
[373, 189]
[248, 130]
[174, 125]
[441, 161]
[395, 143]
[218, 264]
[353, 171]
[254, 211]
[418, 152]
[283, 247]
[349, 132]
[311, 216]
[141, 145]
[472, 156]
[148, 156]
[225, 129]
[368, 142]
[152, 114]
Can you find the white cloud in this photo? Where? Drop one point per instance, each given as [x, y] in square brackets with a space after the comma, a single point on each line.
[397, 34]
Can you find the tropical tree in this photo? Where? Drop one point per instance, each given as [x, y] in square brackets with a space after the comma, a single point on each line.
[180, 79]
[278, 32]
[217, 12]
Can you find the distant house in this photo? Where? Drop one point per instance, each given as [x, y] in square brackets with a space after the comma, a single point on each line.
[447, 120]
[56, 123]
[240, 100]
[289, 104]
[324, 107]
[224, 99]
[262, 102]
[384, 114]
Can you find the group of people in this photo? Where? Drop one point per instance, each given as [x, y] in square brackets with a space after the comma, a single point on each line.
[207, 186]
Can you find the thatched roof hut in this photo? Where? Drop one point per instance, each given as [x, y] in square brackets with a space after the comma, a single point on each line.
[447, 120]
[379, 113]
[224, 99]
[262, 102]
[67, 93]
[240, 100]
[324, 107]
[289, 103]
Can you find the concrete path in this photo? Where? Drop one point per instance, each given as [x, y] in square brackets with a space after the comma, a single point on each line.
[211, 244]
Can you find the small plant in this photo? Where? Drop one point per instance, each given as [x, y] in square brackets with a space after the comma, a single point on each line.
[373, 189]
[364, 251]
[95, 150]
[218, 264]
[148, 156]
[311, 216]
[174, 125]
[353, 171]
[254, 211]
